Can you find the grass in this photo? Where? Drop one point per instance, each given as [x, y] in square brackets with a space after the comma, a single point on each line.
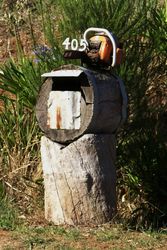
[8, 216]
[106, 237]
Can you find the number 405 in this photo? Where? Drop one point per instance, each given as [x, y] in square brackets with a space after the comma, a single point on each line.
[74, 44]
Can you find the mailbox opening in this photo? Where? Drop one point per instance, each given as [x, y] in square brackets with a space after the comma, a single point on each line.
[70, 83]
[66, 84]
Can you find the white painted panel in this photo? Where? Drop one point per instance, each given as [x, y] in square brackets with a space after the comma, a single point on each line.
[63, 73]
[64, 110]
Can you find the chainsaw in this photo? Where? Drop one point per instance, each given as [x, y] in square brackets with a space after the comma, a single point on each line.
[102, 49]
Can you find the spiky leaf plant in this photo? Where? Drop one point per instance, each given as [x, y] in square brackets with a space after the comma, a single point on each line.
[142, 171]
[19, 133]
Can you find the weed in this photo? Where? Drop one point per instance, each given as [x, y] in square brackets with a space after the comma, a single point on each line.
[107, 236]
[8, 215]
[58, 230]
[73, 234]
[36, 240]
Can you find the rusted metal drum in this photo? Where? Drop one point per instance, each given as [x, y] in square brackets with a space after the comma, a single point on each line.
[74, 101]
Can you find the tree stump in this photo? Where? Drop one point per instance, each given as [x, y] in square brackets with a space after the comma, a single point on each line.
[80, 180]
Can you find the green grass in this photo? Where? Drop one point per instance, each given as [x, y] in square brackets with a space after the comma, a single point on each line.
[85, 238]
[8, 215]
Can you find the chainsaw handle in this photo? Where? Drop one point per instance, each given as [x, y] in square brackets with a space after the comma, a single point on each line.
[109, 34]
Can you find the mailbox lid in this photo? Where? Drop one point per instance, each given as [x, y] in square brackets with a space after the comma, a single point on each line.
[64, 110]
[63, 73]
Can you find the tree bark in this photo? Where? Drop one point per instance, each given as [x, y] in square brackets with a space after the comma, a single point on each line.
[80, 180]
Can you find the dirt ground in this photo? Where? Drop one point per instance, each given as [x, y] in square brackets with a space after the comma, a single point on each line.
[36, 233]
[83, 238]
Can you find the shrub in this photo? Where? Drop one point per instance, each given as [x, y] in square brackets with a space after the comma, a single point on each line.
[142, 171]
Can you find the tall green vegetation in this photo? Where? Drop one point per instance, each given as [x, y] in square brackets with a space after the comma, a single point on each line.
[141, 164]
[124, 18]
[19, 133]
[8, 215]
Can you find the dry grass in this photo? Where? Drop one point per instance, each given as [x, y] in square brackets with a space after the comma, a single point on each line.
[65, 238]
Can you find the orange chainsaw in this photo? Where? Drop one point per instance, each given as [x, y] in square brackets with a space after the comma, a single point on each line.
[102, 49]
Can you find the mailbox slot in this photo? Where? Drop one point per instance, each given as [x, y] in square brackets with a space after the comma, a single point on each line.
[66, 83]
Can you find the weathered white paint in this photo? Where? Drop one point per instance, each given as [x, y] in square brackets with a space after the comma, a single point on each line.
[64, 110]
[63, 73]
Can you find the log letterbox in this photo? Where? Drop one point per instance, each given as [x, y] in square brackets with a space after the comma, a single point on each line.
[80, 110]
[74, 101]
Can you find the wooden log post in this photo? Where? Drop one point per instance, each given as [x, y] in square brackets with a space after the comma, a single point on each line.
[80, 180]
[79, 111]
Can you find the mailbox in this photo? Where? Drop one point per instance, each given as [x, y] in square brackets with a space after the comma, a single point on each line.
[80, 109]
[75, 100]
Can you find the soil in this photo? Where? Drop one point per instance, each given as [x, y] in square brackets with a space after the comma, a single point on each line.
[88, 239]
